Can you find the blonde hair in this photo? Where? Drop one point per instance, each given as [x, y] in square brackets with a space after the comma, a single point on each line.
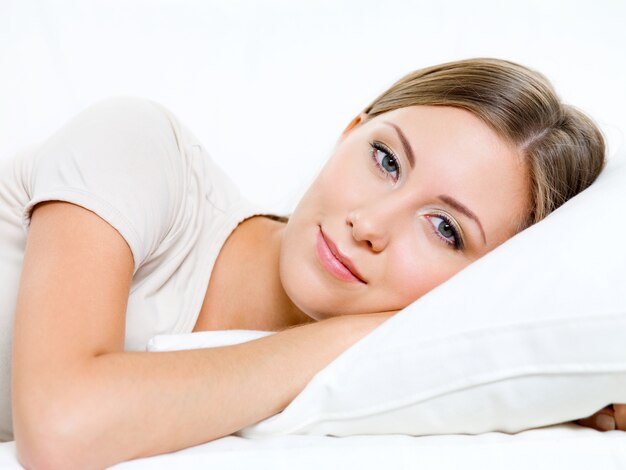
[563, 149]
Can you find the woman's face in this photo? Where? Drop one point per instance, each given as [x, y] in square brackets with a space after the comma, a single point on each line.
[410, 197]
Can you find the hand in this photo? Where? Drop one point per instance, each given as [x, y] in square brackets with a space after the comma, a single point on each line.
[613, 417]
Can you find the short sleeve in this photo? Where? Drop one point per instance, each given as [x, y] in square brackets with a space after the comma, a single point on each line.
[119, 158]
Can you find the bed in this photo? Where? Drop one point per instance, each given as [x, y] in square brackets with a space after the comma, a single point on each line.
[65, 57]
[567, 446]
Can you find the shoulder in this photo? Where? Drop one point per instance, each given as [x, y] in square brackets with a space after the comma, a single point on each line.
[120, 158]
[126, 112]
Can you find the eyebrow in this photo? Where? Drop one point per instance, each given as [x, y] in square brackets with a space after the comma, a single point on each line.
[405, 143]
[463, 210]
[447, 199]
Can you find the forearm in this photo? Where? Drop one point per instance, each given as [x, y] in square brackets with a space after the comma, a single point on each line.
[136, 404]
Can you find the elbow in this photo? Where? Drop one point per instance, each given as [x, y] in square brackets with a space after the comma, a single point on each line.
[36, 459]
[48, 444]
[45, 455]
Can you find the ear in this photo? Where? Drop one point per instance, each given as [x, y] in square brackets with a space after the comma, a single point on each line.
[355, 122]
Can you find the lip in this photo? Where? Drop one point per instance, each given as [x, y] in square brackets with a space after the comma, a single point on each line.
[334, 261]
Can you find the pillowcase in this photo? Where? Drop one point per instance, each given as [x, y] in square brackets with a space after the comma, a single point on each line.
[203, 339]
[531, 334]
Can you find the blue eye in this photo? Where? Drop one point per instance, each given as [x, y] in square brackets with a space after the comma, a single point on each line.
[385, 160]
[446, 230]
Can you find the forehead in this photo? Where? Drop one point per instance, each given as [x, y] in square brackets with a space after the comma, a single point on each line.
[458, 154]
[448, 130]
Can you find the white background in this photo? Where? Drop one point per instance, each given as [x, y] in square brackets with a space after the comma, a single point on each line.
[268, 86]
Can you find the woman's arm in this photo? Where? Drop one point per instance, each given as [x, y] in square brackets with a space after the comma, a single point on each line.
[136, 404]
[79, 401]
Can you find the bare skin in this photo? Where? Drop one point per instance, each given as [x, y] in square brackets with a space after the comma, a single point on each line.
[610, 418]
[81, 401]
[373, 220]
[225, 303]
[382, 212]
[383, 215]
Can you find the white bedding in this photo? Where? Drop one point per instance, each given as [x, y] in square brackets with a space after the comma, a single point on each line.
[220, 60]
[565, 446]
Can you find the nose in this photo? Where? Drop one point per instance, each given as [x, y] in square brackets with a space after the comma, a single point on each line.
[370, 225]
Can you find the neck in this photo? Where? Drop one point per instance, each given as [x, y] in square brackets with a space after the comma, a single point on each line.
[245, 291]
[267, 302]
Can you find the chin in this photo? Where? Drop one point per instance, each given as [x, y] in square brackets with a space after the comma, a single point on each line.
[303, 287]
[301, 291]
[301, 276]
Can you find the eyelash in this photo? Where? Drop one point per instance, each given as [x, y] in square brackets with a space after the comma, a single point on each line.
[383, 148]
[458, 241]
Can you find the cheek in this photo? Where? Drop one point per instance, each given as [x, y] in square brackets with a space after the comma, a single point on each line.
[338, 180]
[414, 272]
[409, 277]
[295, 261]
[351, 167]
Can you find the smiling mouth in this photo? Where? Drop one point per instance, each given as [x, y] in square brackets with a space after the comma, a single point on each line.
[330, 257]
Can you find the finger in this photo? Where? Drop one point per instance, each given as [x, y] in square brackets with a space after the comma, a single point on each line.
[607, 409]
[620, 416]
[589, 422]
[603, 420]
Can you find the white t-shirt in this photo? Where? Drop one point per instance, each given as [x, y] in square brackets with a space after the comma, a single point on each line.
[134, 164]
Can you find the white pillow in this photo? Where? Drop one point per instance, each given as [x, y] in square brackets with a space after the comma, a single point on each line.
[531, 334]
[203, 339]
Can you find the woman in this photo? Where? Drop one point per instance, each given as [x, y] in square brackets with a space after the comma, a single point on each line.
[134, 231]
